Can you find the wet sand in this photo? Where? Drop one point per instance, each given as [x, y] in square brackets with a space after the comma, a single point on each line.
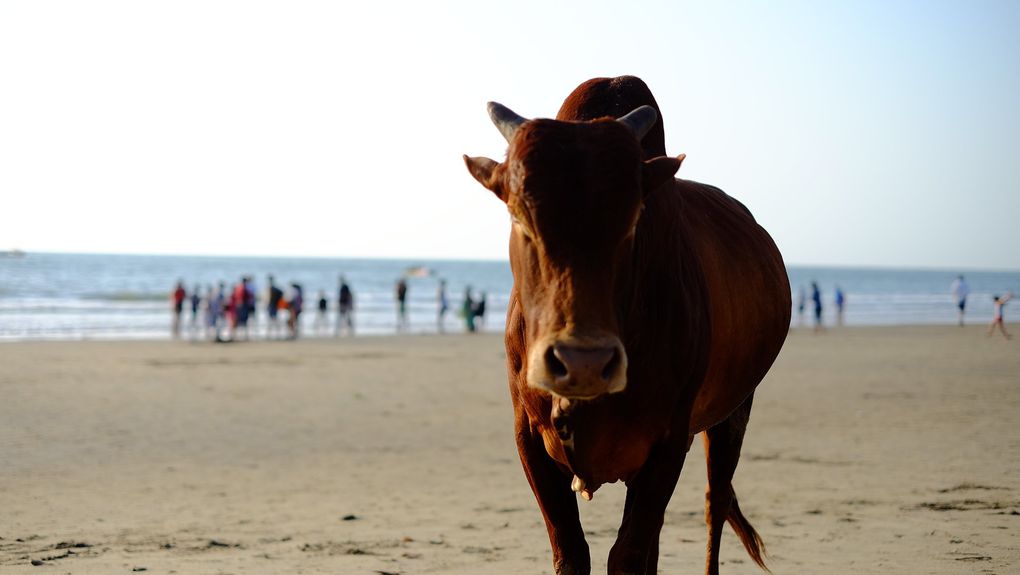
[870, 450]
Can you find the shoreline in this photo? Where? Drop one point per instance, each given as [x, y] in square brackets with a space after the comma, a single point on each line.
[807, 328]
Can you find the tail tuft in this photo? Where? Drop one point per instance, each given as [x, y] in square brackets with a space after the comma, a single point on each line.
[748, 536]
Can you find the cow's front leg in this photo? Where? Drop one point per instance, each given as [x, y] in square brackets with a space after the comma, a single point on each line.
[636, 550]
[557, 502]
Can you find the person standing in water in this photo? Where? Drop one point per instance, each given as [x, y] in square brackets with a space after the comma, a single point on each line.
[240, 305]
[345, 308]
[295, 306]
[816, 298]
[321, 323]
[273, 309]
[196, 303]
[402, 322]
[251, 299]
[177, 299]
[214, 313]
[479, 312]
[444, 305]
[469, 310]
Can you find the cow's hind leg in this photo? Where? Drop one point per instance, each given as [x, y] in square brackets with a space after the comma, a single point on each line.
[558, 503]
[722, 449]
[636, 550]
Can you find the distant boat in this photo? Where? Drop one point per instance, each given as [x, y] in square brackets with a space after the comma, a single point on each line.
[15, 253]
[419, 272]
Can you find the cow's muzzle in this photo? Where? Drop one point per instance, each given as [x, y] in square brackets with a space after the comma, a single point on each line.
[578, 368]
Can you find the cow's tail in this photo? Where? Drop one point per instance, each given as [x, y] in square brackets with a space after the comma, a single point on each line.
[748, 536]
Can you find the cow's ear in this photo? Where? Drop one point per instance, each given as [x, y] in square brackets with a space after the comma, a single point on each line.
[658, 171]
[485, 171]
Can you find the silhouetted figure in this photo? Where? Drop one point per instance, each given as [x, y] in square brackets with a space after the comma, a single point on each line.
[240, 304]
[252, 303]
[443, 304]
[295, 306]
[960, 291]
[214, 304]
[321, 322]
[177, 299]
[816, 298]
[479, 312]
[275, 296]
[229, 311]
[345, 308]
[468, 310]
[840, 304]
[998, 318]
[402, 322]
[196, 302]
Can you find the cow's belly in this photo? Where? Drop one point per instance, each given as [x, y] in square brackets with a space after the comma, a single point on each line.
[749, 301]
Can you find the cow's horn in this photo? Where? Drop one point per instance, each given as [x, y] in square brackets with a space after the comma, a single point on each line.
[506, 120]
[640, 120]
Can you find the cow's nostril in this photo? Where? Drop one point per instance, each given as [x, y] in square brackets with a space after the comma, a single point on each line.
[614, 362]
[553, 363]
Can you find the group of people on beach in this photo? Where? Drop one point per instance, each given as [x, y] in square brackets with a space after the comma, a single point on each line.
[231, 314]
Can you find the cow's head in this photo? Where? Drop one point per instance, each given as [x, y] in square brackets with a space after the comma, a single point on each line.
[575, 192]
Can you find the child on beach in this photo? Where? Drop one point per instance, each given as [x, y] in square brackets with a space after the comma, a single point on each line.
[997, 320]
[320, 323]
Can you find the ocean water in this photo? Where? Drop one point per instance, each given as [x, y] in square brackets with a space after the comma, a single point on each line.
[86, 296]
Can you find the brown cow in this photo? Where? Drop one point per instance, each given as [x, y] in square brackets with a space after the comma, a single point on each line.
[645, 310]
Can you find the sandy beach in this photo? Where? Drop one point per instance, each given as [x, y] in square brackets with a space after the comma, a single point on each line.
[870, 450]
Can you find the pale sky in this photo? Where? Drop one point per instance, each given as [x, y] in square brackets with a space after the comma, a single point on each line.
[858, 133]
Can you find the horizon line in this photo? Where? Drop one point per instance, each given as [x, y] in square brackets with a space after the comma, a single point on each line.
[832, 266]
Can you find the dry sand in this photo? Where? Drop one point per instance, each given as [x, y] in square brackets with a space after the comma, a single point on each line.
[892, 450]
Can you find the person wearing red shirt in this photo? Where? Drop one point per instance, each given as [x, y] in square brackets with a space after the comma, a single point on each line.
[178, 306]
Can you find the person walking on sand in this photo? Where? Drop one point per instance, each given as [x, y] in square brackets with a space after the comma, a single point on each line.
[444, 305]
[960, 291]
[345, 308]
[402, 323]
[177, 297]
[998, 319]
[816, 298]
